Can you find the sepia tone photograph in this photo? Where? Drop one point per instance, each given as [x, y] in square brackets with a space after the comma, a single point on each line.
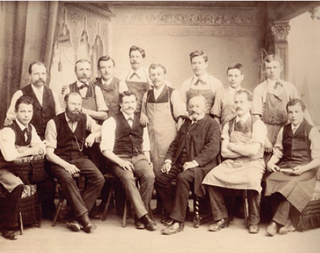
[159, 126]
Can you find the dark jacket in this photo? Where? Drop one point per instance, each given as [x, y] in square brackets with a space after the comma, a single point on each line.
[202, 143]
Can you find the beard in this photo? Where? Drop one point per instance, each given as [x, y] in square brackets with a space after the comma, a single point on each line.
[74, 116]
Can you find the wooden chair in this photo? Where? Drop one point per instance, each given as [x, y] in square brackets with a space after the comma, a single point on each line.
[245, 205]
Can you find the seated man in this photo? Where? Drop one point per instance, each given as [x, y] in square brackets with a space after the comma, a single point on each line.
[20, 139]
[189, 158]
[296, 155]
[66, 136]
[242, 148]
[126, 143]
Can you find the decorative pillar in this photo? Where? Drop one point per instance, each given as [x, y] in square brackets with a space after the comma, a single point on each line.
[280, 30]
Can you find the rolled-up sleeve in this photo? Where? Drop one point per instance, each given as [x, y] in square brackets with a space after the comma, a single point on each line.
[259, 132]
[92, 126]
[7, 140]
[278, 147]
[179, 106]
[108, 135]
[314, 137]
[101, 104]
[146, 140]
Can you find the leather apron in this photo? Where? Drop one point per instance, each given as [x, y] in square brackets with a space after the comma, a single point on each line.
[208, 94]
[162, 130]
[275, 114]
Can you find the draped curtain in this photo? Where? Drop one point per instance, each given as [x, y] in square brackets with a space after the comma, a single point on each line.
[27, 32]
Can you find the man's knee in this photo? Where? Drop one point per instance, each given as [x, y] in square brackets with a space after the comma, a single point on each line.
[184, 177]
[161, 179]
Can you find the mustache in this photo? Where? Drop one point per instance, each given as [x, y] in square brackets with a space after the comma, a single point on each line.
[39, 80]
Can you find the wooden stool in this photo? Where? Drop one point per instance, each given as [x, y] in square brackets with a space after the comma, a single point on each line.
[79, 179]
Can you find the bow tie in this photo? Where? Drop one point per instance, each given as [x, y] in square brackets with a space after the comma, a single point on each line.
[199, 81]
[278, 84]
[135, 74]
[83, 86]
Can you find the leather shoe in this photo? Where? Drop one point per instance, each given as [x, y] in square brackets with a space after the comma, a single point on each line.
[287, 228]
[9, 234]
[74, 226]
[175, 227]
[148, 223]
[253, 229]
[168, 222]
[272, 229]
[86, 224]
[215, 227]
[138, 223]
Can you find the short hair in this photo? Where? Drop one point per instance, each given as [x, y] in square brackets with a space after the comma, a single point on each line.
[126, 93]
[35, 63]
[245, 91]
[296, 101]
[106, 58]
[235, 66]
[135, 48]
[156, 65]
[272, 57]
[66, 97]
[198, 53]
[81, 61]
[23, 100]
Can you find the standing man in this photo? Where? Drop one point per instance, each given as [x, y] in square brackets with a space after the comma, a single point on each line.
[190, 156]
[270, 99]
[293, 166]
[92, 98]
[110, 86]
[17, 140]
[126, 143]
[46, 102]
[201, 83]
[242, 148]
[137, 79]
[66, 136]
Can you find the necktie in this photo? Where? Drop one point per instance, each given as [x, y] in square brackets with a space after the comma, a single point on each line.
[135, 74]
[26, 134]
[82, 86]
[199, 81]
[278, 84]
[130, 121]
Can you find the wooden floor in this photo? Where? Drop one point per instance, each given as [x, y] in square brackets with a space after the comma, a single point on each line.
[110, 237]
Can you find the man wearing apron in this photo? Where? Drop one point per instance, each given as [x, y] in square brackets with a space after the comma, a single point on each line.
[293, 166]
[201, 83]
[242, 147]
[93, 104]
[110, 86]
[224, 109]
[137, 79]
[270, 99]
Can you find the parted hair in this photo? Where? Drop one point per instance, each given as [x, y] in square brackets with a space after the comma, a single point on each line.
[272, 57]
[136, 48]
[198, 53]
[126, 93]
[156, 65]
[245, 91]
[35, 63]
[235, 66]
[106, 58]
[296, 101]
[23, 100]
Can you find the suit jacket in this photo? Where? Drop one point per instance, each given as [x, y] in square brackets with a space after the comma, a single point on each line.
[202, 143]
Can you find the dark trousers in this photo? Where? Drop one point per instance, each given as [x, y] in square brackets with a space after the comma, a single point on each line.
[46, 194]
[139, 198]
[10, 208]
[219, 209]
[80, 203]
[175, 202]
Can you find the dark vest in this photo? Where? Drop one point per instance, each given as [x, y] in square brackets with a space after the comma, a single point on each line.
[128, 140]
[296, 147]
[69, 144]
[19, 141]
[89, 101]
[111, 95]
[41, 114]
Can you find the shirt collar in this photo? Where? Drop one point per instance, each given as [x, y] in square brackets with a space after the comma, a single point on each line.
[35, 89]
[244, 118]
[232, 90]
[204, 78]
[159, 91]
[126, 116]
[106, 82]
[80, 84]
[140, 72]
[22, 127]
[295, 127]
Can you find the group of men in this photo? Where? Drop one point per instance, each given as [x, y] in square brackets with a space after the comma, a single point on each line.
[205, 138]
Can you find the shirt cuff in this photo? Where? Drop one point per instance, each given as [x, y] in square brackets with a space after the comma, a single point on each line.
[195, 163]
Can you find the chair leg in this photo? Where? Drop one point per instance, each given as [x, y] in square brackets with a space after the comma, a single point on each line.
[196, 217]
[105, 211]
[57, 212]
[20, 223]
[124, 217]
[245, 207]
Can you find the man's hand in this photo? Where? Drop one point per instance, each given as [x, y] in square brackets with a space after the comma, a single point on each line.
[8, 121]
[72, 169]
[268, 146]
[126, 165]
[144, 121]
[89, 140]
[166, 167]
[188, 165]
[271, 167]
[298, 170]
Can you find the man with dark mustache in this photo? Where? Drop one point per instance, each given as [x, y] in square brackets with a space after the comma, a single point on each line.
[243, 166]
[66, 136]
[191, 155]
